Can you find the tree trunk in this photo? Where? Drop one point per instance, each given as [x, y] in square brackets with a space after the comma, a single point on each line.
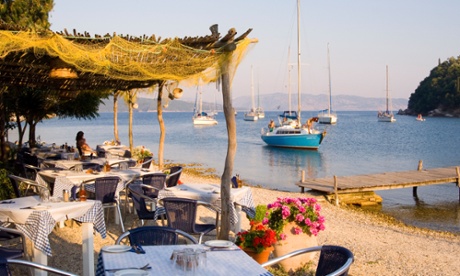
[162, 127]
[231, 151]
[130, 127]
[115, 116]
[32, 141]
[21, 130]
[3, 115]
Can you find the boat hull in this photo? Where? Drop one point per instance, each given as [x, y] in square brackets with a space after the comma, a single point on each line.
[251, 116]
[204, 121]
[287, 137]
[388, 119]
[327, 119]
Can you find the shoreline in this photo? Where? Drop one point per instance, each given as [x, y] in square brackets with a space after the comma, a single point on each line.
[380, 246]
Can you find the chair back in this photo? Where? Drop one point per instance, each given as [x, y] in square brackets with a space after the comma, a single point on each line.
[127, 154]
[105, 188]
[180, 213]
[146, 162]
[155, 235]
[5, 270]
[101, 153]
[15, 185]
[156, 180]
[334, 259]
[137, 194]
[174, 175]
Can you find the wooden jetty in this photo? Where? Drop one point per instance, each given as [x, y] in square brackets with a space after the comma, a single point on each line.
[344, 186]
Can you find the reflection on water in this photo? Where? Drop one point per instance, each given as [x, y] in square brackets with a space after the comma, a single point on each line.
[308, 160]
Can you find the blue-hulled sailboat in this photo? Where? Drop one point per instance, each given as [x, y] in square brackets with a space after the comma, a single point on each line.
[292, 134]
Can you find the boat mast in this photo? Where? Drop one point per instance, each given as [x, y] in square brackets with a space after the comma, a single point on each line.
[289, 81]
[330, 84]
[299, 120]
[252, 90]
[388, 111]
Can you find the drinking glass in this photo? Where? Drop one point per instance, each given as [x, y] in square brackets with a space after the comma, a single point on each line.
[179, 261]
[191, 261]
[201, 258]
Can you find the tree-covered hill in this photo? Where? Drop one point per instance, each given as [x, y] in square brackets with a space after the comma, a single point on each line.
[439, 93]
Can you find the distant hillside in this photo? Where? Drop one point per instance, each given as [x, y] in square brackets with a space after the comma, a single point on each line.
[271, 102]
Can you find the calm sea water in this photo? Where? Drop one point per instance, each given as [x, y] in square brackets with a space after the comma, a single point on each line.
[358, 144]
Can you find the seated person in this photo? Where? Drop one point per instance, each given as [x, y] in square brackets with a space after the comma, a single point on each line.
[82, 146]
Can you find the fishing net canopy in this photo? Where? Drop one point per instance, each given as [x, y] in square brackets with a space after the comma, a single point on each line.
[143, 60]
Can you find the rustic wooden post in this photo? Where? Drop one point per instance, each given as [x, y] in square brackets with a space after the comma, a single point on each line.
[419, 168]
[458, 182]
[336, 191]
[302, 179]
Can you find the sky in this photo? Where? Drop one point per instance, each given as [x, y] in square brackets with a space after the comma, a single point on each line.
[364, 36]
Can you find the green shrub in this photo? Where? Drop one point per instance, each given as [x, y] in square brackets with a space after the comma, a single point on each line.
[6, 190]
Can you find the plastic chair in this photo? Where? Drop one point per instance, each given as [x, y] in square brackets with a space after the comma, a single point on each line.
[5, 267]
[173, 176]
[8, 235]
[333, 260]
[139, 201]
[181, 214]
[105, 190]
[155, 235]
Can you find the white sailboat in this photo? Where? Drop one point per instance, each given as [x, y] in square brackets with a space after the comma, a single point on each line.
[386, 116]
[199, 116]
[251, 115]
[327, 116]
[294, 135]
[259, 110]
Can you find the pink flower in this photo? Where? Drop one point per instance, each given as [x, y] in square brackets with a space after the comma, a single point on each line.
[297, 231]
[283, 236]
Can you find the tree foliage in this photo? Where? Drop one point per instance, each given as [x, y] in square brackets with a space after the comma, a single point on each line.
[30, 14]
[440, 90]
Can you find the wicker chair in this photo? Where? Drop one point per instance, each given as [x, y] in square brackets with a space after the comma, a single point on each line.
[181, 214]
[6, 263]
[333, 260]
[105, 189]
[136, 192]
[173, 176]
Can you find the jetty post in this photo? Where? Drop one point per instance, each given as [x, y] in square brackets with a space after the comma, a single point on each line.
[419, 168]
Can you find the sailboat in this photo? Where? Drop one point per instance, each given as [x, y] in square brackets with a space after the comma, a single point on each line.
[199, 116]
[386, 116]
[251, 115]
[327, 116]
[259, 110]
[294, 135]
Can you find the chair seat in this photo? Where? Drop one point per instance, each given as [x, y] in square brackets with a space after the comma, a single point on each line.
[11, 253]
[204, 228]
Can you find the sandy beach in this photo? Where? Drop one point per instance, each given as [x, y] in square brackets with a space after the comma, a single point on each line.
[381, 246]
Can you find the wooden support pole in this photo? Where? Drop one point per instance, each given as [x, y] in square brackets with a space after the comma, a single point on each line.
[419, 168]
[302, 179]
[336, 191]
[458, 182]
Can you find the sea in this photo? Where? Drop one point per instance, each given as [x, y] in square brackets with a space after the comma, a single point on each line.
[357, 144]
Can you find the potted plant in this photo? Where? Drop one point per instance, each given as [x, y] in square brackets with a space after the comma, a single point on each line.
[257, 242]
[296, 222]
[260, 213]
[140, 152]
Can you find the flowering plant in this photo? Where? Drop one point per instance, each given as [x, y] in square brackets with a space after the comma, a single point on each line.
[304, 212]
[257, 239]
[140, 152]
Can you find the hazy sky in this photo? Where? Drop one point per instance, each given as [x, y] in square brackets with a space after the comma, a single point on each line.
[364, 36]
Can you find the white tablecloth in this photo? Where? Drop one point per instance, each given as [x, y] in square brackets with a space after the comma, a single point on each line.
[69, 164]
[234, 262]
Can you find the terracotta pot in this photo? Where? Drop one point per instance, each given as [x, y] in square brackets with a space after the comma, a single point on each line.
[294, 242]
[261, 257]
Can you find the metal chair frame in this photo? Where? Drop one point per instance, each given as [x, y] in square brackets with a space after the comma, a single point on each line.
[340, 271]
[173, 178]
[17, 180]
[7, 234]
[157, 229]
[34, 265]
